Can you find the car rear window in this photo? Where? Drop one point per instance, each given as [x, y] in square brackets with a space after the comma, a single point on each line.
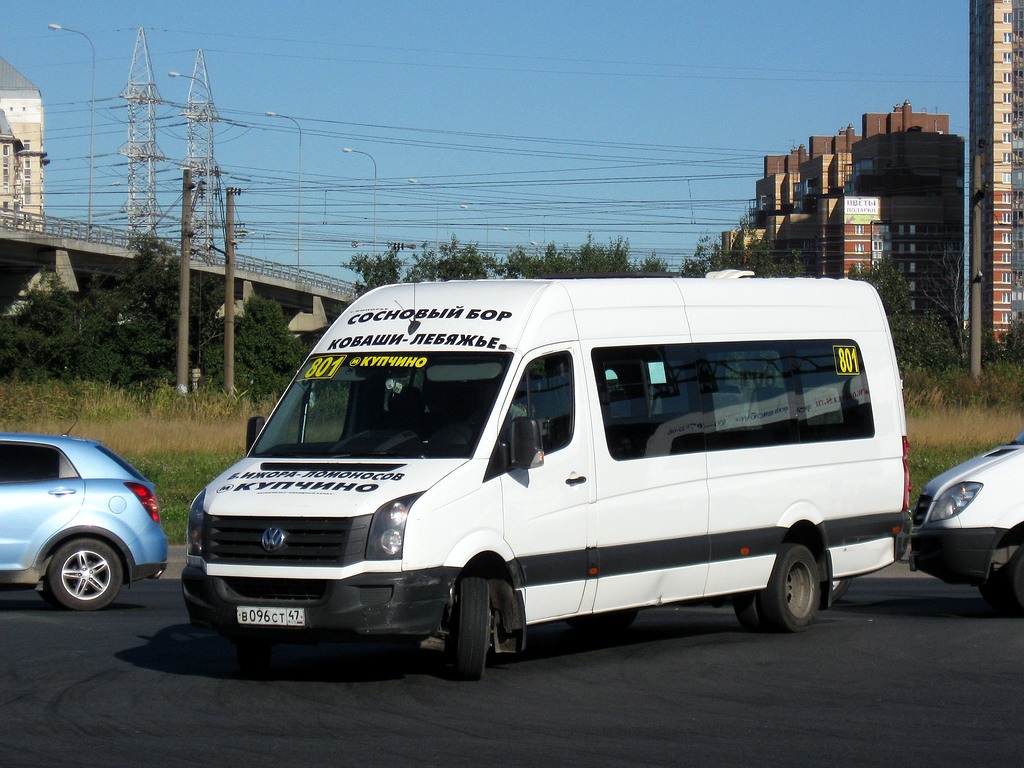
[121, 463]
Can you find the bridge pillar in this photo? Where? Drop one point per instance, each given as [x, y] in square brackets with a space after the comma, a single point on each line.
[62, 267]
[310, 322]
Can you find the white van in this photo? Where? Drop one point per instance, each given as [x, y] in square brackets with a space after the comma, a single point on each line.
[968, 527]
[459, 461]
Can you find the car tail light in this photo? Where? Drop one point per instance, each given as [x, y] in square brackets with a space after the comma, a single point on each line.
[147, 498]
[906, 473]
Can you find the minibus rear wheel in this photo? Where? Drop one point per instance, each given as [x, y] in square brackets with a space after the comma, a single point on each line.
[790, 601]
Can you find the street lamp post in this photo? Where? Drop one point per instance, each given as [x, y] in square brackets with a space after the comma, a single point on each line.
[360, 152]
[298, 223]
[437, 212]
[487, 224]
[92, 112]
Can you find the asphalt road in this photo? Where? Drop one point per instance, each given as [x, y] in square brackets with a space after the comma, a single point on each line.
[905, 670]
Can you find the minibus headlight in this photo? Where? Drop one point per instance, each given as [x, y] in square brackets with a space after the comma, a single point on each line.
[194, 536]
[954, 501]
[387, 530]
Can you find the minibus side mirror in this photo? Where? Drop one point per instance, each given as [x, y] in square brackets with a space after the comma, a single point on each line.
[252, 430]
[526, 451]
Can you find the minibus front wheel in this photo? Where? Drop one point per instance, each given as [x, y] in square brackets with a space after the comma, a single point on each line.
[472, 627]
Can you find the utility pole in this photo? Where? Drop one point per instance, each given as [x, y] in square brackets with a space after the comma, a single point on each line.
[229, 292]
[974, 274]
[183, 287]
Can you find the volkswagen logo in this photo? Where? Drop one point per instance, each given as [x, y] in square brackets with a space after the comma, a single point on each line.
[273, 539]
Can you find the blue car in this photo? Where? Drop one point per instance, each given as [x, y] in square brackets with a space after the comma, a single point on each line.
[77, 522]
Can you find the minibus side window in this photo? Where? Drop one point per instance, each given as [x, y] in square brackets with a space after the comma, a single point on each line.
[778, 393]
[650, 403]
[545, 393]
[681, 398]
[834, 399]
[748, 388]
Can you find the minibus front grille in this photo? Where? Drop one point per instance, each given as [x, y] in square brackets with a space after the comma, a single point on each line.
[298, 590]
[921, 510]
[286, 540]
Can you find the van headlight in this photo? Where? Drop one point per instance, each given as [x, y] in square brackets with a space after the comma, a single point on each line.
[194, 534]
[954, 501]
[387, 530]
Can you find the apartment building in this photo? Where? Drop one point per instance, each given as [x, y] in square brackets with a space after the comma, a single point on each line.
[997, 139]
[895, 189]
[22, 158]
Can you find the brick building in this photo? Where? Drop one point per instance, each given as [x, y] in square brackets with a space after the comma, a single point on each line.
[997, 139]
[895, 189]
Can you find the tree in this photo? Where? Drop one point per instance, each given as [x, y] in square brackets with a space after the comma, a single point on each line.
[891, 285]
[375, 271]
[40, 337]
[590, 259]
[145, 300]
[920, 342]
[451, 261]
[266, 352]
[551, 261]
[1013, 344]
[749, 251]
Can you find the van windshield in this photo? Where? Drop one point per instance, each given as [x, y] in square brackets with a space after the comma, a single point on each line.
[403, 406]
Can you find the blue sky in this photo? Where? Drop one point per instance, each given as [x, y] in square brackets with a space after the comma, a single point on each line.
[522, 122]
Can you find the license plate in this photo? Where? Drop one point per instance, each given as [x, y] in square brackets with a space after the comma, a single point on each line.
[272, 617]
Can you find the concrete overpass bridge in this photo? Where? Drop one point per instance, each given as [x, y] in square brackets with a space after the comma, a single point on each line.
[33, 245]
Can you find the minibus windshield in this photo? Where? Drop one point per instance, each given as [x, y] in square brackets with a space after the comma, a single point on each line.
[400, 405]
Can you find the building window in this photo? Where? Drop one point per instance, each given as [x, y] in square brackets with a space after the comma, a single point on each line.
[913, 266]
[1007, 37]
[1007, 98]
[858, 229]
[1007, 178]
[858, 248]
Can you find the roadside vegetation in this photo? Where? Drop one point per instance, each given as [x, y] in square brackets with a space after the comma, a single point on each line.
[100, 363]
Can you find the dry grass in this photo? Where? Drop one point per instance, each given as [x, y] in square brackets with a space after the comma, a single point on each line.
[946, 428]
[145, 435]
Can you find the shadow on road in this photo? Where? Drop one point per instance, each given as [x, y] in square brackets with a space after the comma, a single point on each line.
[185, 650]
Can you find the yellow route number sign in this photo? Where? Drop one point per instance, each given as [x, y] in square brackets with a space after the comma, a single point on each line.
[847, 359]
[324, 367]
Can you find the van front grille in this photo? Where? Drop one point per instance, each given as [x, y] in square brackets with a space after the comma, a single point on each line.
[300, 590]
[303, 540]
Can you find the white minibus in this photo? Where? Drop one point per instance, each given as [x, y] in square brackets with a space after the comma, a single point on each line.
[456, 462]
